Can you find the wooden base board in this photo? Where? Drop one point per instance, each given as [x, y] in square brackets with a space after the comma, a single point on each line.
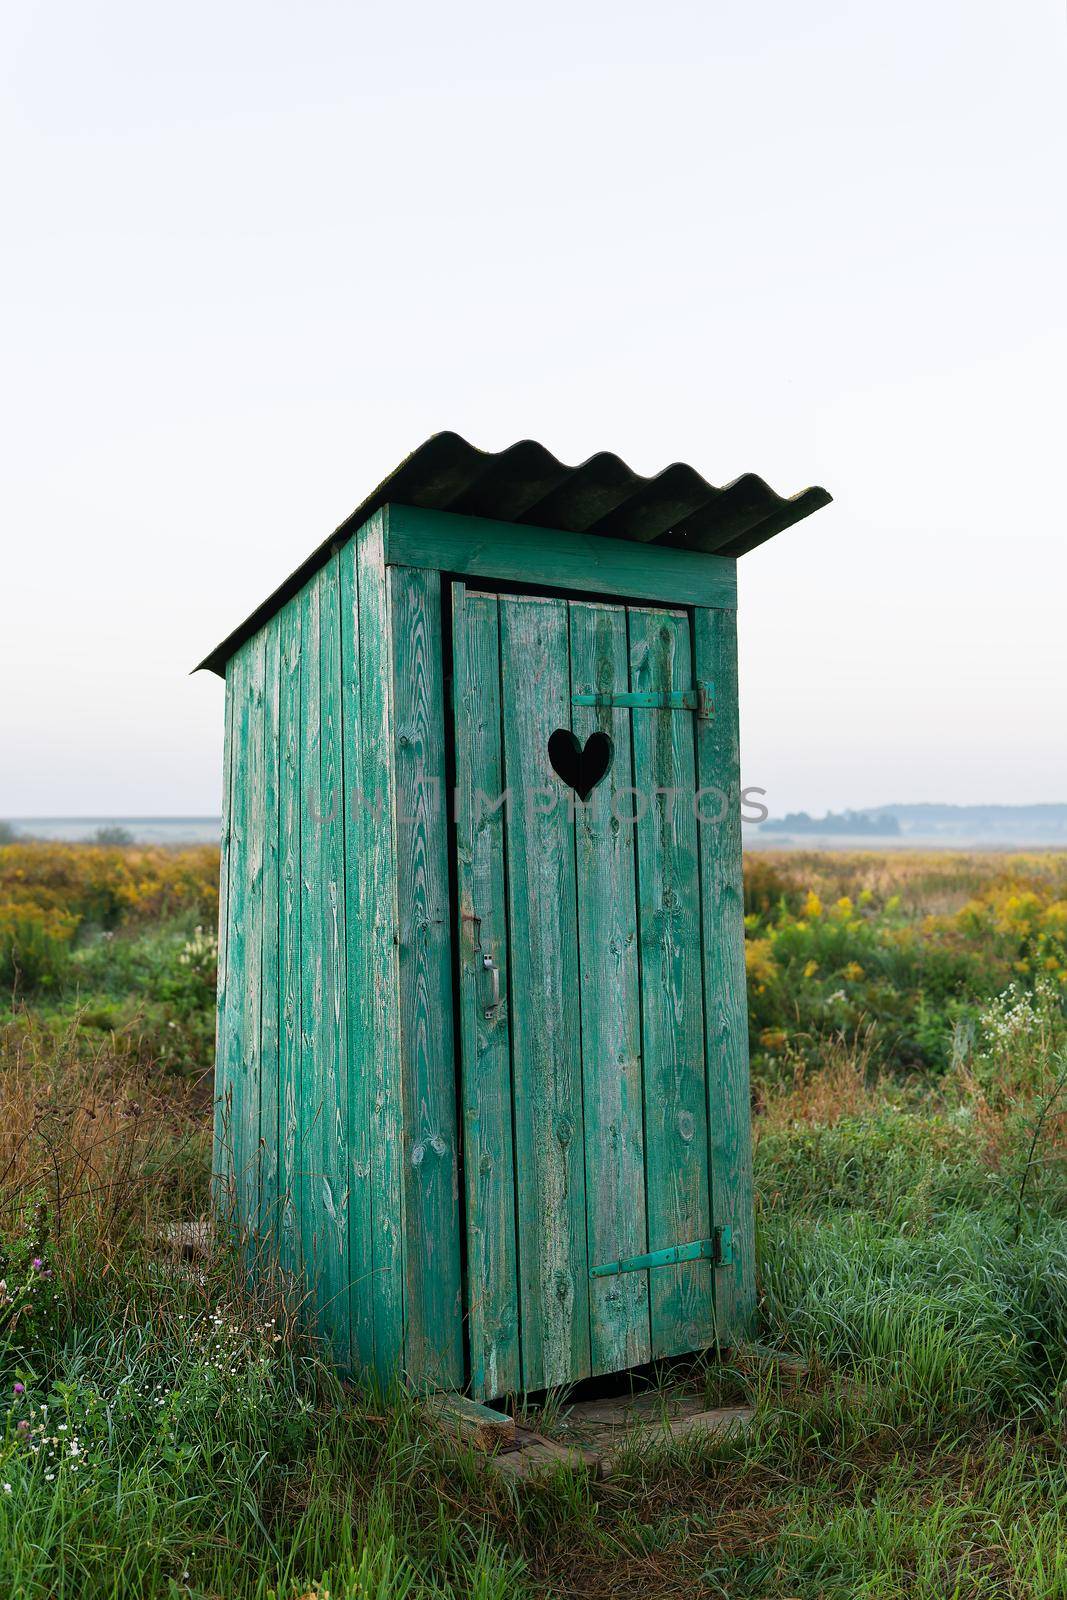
[594, 1433]
[478, 1425]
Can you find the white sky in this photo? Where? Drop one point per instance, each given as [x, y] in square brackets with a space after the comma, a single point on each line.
[253, 254]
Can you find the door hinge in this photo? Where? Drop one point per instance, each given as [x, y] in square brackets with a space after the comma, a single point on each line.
[699, 699]
[719, 1250]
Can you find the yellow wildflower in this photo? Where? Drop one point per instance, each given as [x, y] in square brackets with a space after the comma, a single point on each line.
[759, 962]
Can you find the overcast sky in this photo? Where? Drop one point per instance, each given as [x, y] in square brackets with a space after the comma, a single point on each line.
[254, 253]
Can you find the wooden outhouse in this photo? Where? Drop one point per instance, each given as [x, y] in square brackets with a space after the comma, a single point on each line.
[482, 1078]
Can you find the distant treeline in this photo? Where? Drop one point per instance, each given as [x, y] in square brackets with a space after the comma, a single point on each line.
[852, 822]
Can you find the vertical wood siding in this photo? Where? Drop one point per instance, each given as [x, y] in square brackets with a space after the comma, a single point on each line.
[610, 1003]
[270, 1005]
[309, 1144]
[433, 1287]
[290, 1198]
[232, 1042]
[546, 1053]
[359, 1055]
[331, 1141]
[485, 1044]
[379, 978]
[725, 994]
[310, 1216]
[671, 983]
[222, 1143]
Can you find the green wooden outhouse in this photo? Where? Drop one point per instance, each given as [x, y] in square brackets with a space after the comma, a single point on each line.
[482, 1078]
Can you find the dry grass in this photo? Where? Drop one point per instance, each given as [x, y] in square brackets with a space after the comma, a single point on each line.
[928, 882]
[97, 1148]
[846, 1085]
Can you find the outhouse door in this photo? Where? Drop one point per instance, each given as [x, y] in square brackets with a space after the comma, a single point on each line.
[581, 1007]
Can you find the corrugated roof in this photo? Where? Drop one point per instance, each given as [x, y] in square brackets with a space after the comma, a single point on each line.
[525, 483]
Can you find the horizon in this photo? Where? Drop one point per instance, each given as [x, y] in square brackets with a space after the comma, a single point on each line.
[982, 826]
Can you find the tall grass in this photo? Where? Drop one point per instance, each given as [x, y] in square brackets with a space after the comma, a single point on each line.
[167, 1431]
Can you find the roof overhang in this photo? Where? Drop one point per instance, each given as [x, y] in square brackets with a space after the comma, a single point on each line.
[527, 484]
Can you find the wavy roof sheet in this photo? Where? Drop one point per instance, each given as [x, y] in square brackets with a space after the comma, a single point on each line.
[527, 484]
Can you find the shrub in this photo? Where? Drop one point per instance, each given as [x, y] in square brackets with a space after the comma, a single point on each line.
[110, 886]
[916, 973]
[34, 946]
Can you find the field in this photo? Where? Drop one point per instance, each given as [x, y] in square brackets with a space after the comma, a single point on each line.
[168, 1433]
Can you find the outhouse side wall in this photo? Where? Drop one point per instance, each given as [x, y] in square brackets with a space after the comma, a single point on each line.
[331, 965]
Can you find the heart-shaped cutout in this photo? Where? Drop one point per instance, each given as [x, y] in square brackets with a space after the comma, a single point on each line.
[581, 769]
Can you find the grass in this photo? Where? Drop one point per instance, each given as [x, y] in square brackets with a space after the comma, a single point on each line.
[165, 1432]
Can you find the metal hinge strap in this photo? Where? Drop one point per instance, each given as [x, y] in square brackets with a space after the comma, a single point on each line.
[698, 699]
[718, 1250]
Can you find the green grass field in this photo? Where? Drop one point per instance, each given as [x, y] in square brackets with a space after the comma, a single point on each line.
[166, 1433]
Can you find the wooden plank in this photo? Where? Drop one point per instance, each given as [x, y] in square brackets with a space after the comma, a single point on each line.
[380, 979]
[480, 547]
[725, 999]
[546, 1054]
[433, 1295]
[222, 1150]
[331, 1150]
[311, 989]
[676, 1153]
[475, 1424]
[723, 1420]
[489, 1156]
[533, 1457]
[269, 982]
[289, 975]
[246, 1118]
[361, 1068]
[610, 1002]
[238, 934]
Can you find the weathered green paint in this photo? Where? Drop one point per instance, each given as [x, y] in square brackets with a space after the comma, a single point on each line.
[485, 1048]
[552, 559]
[361, 1068]
[603, 1103]
[433, 1288]
[330, 1144]
[246, 1114]
[312, 1016]
[676, 1151]
[289, 1044]
[222, 1151]
[546, 1051]
[240, 914]
[726, 1009]
[269, 1011]
[380, 985]
[610, 997]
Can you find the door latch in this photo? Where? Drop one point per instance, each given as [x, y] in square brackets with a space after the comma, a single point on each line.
[490, 966]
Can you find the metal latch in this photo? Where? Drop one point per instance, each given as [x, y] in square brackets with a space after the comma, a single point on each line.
[490, 966]
[719, 1250]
